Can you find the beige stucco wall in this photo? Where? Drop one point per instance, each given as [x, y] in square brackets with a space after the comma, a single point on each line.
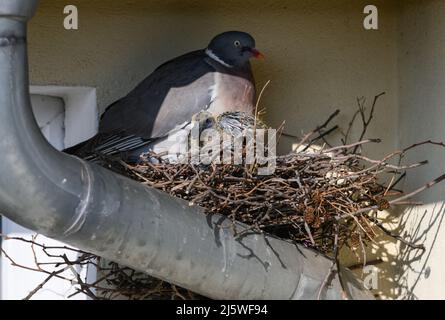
[319, 58]
[422, 117]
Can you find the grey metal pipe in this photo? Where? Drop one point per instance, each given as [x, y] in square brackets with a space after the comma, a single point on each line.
[96, 210]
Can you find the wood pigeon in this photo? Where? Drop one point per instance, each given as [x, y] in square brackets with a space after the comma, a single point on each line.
[216, 79]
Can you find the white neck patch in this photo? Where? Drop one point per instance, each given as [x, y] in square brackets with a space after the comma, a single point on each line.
[216, 58]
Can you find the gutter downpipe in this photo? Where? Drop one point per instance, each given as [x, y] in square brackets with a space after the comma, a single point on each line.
[89, 207]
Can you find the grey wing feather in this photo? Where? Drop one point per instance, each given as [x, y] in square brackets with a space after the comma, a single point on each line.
[106, 145]
[167, 98]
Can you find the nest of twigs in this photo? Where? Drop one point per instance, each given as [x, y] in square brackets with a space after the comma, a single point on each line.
[311, 196]
[322, 197]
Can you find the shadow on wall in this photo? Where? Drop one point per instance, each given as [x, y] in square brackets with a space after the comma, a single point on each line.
[402, 271]
[421, 225]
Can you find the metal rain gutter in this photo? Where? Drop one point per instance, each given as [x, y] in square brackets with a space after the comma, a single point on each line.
[89, 207]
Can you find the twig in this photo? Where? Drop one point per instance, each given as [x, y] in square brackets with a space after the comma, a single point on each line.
[367, 121]
[397, 237]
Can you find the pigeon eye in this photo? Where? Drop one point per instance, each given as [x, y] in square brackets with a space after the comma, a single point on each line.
[237, 43]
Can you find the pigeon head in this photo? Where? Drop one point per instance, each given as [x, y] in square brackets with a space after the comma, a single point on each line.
[233, 49]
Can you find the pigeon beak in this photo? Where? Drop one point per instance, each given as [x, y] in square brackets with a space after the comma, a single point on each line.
[256, 54]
